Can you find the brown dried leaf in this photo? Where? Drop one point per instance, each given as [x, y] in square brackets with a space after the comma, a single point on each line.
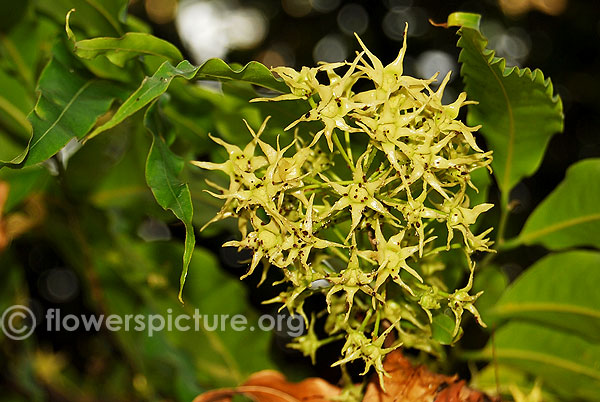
[405, 384]
[417, 384]
[272, 386]
[33, 214]
[18, 223]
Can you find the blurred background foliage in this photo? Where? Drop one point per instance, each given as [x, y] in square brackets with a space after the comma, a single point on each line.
[88, 237]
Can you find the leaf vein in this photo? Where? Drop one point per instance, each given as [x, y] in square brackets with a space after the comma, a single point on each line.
[65, 109]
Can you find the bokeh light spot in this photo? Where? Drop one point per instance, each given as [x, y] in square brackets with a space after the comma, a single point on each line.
[330, 49]
[434, 61]
[279, 54]
[296, 8]
[353, 18]
[395, 20]
[325, 6]
[212, 28]
[161, 11]
[154, 230]
[59, 285]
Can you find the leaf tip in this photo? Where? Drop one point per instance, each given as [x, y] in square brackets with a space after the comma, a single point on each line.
[466, 20]
[70, 33]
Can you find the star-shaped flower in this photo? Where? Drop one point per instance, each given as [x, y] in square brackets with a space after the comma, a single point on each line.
[461, 218]
[334, 103]
[414, 211]
[302, 240]
[359, 195]
[309, 343]
[240, 168]
[370, 350]
[391, 255]
[350, 280]
[303, 84]
[461, 300]
[265, 242]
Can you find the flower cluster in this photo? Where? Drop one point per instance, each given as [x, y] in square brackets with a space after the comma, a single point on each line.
[368, 221]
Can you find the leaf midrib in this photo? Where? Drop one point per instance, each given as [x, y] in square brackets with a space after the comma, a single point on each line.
[511, 132]
[65, 109]
[115, 48]
[543, 358]
[520, 307]
[166, 179]
[528, 237]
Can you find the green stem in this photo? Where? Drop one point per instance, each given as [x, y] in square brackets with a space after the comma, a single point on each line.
[318, 225]
[316, 185]
[336, 177]
[366, 320]
[341, 255]
[442, 248]
[377, 319]
[339, 234]
[502, 224]
[330, 339]
[339, 146]
[348, 149]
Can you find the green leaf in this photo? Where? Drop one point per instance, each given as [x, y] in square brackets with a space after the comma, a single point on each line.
[559, 290]
[130, 45]
[442, 329]
[517, 107]
[26, 49]
[219, 357]
[481, 178]
[162, 170]
[23, 182]
[570, 215]
[496, 377]
[152, 87]
[15, 103]
[493, 282]
[565, 362]
[69, 105]
[94, 17]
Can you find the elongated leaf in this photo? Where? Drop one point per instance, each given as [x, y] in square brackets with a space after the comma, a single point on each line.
[25, 48]
[565, 362]
[94, 17]
[132, 44]
[517, 107]
[570, 215]
[162, 170]
[152, 87]
[15, 103]
[559, 290]
[69, 105]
